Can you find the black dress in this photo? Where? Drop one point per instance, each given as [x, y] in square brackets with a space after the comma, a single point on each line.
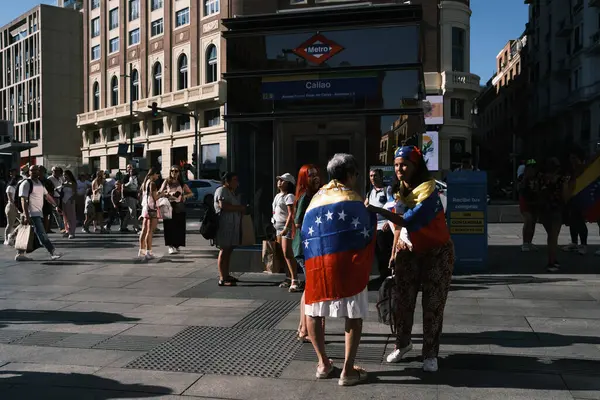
[175, 228]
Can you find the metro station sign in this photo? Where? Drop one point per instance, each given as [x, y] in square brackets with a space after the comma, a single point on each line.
[318, 49]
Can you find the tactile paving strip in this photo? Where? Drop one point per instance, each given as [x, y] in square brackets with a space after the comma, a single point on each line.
[267, 315]
[130, 343]
[9, 336]
[82, 341]
[42, 338]
[223, 351]
[365, 354]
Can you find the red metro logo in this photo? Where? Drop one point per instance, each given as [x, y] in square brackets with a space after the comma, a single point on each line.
[318, 49]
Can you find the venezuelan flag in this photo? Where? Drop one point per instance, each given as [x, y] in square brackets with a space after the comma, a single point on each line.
[586, 194]
[338, 235]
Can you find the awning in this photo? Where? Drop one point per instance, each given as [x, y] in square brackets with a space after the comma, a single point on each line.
[16, 147]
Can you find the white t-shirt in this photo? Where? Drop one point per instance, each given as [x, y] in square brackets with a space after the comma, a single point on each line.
[36, 198]
[379, 198]
[82, 186]
[57, 182]
[10, 192]
[280, 208]
[109, 185]
[88, 204]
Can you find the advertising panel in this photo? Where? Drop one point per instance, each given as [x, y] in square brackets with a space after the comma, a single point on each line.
[431, 150]
[434, 112]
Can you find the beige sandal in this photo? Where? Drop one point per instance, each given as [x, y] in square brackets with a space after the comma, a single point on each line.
[324, 374]
[361, 376]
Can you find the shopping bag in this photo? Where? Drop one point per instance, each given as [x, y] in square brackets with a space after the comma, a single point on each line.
[248, 236]
[166, 211]
[272, 256]
[25, 239]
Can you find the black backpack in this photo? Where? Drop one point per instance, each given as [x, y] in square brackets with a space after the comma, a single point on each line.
[210, 224]
[17, 198]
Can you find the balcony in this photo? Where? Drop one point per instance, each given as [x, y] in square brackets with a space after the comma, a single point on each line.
[564, 28]
[205, 93]
[594, 46]
[594, 3]
[582, 95]
[455, 81]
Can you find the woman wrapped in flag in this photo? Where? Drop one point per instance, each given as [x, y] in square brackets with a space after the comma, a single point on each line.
[338, 237]
[425, 258]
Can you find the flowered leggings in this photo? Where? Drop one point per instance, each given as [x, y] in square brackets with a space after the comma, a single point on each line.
[431, 270]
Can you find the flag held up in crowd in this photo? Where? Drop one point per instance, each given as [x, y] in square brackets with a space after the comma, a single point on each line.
[586, 194]
[338, 235]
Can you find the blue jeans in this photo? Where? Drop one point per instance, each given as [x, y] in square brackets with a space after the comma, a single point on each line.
[38, 227]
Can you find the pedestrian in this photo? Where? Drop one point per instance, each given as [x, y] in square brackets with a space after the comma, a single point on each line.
[574, 214]
[118, 208]
[32, 194]
[228, 206]
[309, 183]
[89, 211]
[425, 259]
[528, 204]
[12, 214]
[150, 196]
[97, 192]
[379, 196]
[339, 239]
[47, 209]
[283, 221]
[553, 192]
[68, 203]
[82, 187]
[130, 196]
[107, 206]
[177, 192]
[56, 178]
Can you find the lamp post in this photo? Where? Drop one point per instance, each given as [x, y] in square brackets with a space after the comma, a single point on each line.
[130, 155]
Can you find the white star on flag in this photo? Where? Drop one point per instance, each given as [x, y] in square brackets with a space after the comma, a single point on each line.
[355, 222]
[329, 215]
[311, 231]
[318, 221]
[365, 232]
[342, 215]
[306, 244]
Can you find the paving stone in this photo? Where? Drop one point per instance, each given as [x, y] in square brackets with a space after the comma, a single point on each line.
[582, 386]
[130, 343]
[163, 382]
[154, 330]
[81, 340]
[246, 387]
[42, 339]
[9, 336]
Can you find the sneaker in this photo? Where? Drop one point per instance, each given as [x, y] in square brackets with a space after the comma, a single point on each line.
[430, 365]
[553, 267]
[55, 256]
[525, 247]
[571, 247]
[22, 257]
[173, 250]
[396, 355]
[582, 250]
[149, 256]
[71, 236]
[6, 242]
[533, 247]
[65, 235]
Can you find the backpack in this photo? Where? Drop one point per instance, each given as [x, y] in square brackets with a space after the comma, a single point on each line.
[17, 198]
[387, 301]
[210, 224]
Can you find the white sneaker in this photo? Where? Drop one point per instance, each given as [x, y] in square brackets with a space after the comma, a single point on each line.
[533, 247]
[55, 256]
[149, 256]
[571, 247]
[173, 250]
[22, 257]
[525, 247]
[430, 365]
[71, 236]
[582, 250]
[6, 242]
[396, 355]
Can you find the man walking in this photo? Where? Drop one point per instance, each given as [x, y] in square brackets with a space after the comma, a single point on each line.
[130, 197]
[32, 194]
[57, 180]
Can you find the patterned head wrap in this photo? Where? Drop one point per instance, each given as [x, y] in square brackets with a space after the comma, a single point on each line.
[410, 153]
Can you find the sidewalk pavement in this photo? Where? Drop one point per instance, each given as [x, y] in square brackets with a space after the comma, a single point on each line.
[99, 324]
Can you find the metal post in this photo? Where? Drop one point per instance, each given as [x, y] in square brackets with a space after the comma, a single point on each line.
[130, 112]
[197, 145]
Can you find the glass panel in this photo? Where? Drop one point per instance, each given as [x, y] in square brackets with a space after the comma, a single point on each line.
[337, 146]
[307, 152]
[342, 48]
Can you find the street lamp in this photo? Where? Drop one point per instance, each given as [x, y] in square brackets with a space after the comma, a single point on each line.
[130, 158]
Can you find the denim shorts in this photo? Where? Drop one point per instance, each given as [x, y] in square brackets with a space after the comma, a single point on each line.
[280, 230]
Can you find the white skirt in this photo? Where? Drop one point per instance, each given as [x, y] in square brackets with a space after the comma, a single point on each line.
[354, 307]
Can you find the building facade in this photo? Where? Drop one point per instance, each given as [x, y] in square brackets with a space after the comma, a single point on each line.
[73, 4]
[139, 52]
[502, 135]
[41, 84]
[564, 53]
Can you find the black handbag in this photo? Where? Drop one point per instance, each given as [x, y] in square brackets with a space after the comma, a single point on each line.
[386, 302]
[178, 207]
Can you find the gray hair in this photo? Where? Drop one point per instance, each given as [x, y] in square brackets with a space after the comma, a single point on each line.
[340, 165]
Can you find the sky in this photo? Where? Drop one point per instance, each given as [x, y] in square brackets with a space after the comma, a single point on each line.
[493, 24]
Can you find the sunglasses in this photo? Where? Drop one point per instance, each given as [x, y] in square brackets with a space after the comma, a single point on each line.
[175, 170]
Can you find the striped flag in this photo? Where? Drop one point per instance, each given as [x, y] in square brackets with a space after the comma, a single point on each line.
[586, 194]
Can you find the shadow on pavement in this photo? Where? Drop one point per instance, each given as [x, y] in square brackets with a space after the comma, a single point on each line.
[508, 259]
[52, 317]
[29, 385]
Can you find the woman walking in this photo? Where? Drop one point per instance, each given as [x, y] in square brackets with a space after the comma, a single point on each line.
[97, 192]
[283, 221]
[150, 197]
[228, 207]
[309, 183]
[424, 259]
[69, 206]
[528, 193]
[576, 221]
[12, 214]
[177, 192]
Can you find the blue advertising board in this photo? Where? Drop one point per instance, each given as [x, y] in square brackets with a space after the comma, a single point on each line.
[320, 88]
[466, 214]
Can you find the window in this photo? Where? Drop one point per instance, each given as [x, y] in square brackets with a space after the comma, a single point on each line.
[211, 7]
[157, 127]
[134, 37]
[457, 109]
[156, 4]
[113, 45]
[94, 4]
[114, 91]
[157, 79]
[96, 98]
[114, 134]
[577, 38]
[458, 49]
[211, 64]
[135, 85]
[157, 27]
[212, 118]
[134, 9]
[182, 75]
[182, 17]
[95, 27]
[210, 153]
[96, 52]
[183, 123]
[113, 18]
[96, 137]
